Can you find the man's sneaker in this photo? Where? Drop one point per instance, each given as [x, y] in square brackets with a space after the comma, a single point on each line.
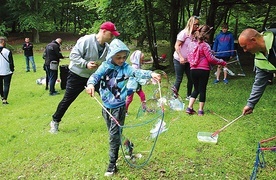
[111, 169]
[216, 81]
[190, 111]
[225, 81]
[54, 127]
[54, 93]
[200, 112]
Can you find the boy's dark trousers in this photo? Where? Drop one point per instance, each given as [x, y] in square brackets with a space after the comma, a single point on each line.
[114, 130]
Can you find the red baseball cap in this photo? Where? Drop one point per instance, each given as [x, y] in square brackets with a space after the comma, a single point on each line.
[110, 27]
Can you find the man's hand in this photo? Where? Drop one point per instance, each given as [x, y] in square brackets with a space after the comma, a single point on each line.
[247, 110]
[90, 89]
[91, 65]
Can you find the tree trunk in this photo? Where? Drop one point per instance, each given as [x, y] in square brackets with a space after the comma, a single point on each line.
[151, 33]
[211, 16]
[35, 35]
[174, 28]
[266, 17]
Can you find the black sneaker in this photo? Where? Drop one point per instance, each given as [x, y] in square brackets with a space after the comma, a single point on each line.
[54, 93]
[111, 169]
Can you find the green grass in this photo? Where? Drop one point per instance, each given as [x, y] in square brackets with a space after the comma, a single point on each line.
[80, 149]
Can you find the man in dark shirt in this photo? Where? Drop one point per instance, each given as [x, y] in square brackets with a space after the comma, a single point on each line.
[52, 59]
[29, 54]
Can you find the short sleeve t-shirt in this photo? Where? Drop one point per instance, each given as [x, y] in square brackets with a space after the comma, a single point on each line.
[186, 39]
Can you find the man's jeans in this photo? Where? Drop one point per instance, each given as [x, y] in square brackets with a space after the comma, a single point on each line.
[28, 59]
[52, 75]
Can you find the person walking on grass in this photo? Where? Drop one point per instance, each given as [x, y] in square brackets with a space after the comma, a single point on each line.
[181, 65]
[6, 70]
[113, 75]
[224, 49]
[200, 57]
[29, 54]
[85, 57]
[136, 58]
[52, 59]
[262, 45]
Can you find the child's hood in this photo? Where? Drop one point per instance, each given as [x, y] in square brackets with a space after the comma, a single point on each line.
[116, 46]
[135, 57]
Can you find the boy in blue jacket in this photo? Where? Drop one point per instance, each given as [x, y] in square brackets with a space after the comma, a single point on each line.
[113, 75]
[224, 47]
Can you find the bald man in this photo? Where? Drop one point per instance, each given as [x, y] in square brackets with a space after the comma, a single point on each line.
[53, 54]
[260, 44]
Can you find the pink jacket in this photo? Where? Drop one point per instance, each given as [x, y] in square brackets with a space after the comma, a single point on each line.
[200, 56]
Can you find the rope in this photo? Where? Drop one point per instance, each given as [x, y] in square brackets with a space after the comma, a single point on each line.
[128, 161]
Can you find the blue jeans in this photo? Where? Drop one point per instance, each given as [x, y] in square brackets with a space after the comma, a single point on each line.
[28, 59]
[180, 69]
[52, 76]
[4, 91]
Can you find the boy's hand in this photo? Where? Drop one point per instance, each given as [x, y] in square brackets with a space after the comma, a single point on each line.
[90, 89]
[156, 76]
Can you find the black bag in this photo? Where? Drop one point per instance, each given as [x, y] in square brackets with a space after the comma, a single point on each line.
[63, 75]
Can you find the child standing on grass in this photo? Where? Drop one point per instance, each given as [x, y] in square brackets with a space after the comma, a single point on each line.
[200, 58]
[113, 75]
[136, 58]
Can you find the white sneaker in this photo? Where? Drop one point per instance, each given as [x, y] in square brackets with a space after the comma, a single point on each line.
[54, 127]
[111, 170]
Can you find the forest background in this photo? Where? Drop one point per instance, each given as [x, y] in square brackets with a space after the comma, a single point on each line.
[145, 21]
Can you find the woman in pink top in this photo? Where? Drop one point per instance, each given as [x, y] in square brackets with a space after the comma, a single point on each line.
[200, 58]
[181, 65]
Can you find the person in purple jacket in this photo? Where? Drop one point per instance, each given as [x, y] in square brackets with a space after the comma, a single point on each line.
[224, 48]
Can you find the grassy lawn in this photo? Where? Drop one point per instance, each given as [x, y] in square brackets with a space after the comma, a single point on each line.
[80, 149]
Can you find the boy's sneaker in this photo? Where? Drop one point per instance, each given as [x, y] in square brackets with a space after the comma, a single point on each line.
[111, 169]
[190, 111]
[54, 127]
[200, 113]
[225, 81]
[216, 81]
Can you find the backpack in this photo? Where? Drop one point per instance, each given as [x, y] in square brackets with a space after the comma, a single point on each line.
[272, 52]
